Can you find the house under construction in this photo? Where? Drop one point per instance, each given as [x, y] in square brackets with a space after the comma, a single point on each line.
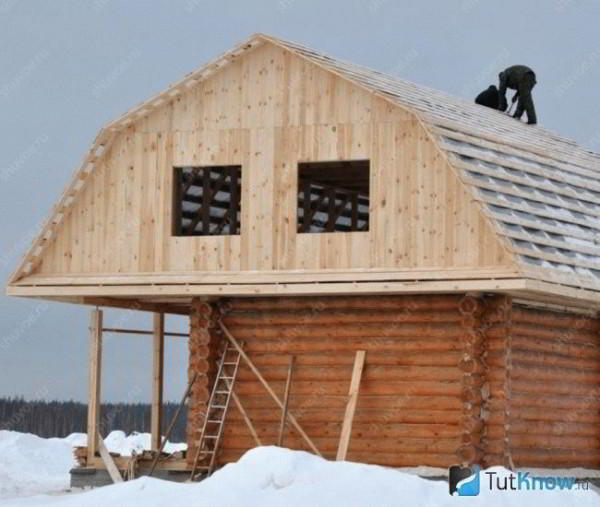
[373, 270]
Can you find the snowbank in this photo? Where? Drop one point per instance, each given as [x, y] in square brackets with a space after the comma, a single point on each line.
[31, 465]
[270, 476]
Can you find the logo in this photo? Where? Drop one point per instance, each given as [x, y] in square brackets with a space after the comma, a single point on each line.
[463, 481]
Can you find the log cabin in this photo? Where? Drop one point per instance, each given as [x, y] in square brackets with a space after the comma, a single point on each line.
[306, 212]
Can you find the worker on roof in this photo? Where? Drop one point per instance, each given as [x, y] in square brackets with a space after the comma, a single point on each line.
[522, 79]
[488, 97]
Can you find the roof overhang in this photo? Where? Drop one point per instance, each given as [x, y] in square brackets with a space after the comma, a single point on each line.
[149, 290]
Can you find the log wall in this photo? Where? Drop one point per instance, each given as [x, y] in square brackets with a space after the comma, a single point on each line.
[410, 409]
[203, 344]
[554, 404]
[448, 378]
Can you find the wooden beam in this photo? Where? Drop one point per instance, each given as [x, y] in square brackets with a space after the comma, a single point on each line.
[268, 388]
[133, 304]
[172, 423]
[122, 463]
[111, 467]
[286, 396]
[142, 331]
[234, 196]
[266, 276]
[246, 418]
[238, 288]
[158, 359]
[95, 380]
[359, 362]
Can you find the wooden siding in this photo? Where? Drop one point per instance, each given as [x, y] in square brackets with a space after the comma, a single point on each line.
[268, 111]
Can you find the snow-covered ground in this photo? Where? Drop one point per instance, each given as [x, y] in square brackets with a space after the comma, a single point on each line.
[30, 464]
[265, 476]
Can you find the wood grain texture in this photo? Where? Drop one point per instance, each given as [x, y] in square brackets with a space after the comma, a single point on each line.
[268, 111]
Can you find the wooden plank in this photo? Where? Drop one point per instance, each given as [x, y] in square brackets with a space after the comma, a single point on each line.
[246, 418]
[280, 276]
[351, 406]
[142, 331]
[340, 288]
[268, 387]
[95, 380]
[158, 359]
[172, 423]
[286, 396]
[122, 463]
[111, 467]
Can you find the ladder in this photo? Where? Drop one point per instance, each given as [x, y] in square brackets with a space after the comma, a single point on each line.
[214, 421]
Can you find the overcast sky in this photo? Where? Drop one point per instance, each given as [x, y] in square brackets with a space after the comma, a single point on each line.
[68, 67]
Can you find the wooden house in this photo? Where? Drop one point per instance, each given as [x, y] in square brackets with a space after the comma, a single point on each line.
[303, 207]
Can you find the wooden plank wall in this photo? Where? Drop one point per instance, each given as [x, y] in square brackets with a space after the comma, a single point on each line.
[410, 408]
[268, 111]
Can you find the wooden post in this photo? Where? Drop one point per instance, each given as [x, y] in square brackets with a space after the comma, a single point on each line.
[95, 380]
[266, 385]
[172, 423]
[158, 355]
[359, 362]
[286, 395]
[306, 203]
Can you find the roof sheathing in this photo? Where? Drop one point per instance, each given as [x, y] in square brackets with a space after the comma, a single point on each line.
[541, 192]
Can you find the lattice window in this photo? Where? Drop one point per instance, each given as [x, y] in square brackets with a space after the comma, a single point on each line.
[333, 196]
[206, 200]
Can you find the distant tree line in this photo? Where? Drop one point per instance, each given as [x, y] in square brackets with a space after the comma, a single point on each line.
[61, 418]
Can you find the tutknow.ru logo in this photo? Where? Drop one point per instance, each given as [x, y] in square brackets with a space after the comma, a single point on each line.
[463, 481]
[467, 481]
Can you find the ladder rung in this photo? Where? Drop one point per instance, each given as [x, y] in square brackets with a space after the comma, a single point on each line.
[213, 421]
[218, 406]
[226, 378]
[230, 363]
[221, 392]
[211, 437]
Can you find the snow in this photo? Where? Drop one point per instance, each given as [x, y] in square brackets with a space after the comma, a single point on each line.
[270, 476]
[30, 464]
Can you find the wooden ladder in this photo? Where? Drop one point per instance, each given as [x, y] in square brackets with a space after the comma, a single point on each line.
[214, 421]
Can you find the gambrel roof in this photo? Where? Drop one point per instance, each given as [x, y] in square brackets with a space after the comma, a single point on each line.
[541, 192]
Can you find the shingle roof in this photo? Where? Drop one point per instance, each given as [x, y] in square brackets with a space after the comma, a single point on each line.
[540, 191]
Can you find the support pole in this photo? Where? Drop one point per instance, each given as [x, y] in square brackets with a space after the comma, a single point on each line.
[247, 419]
[109, 463]
[359, 362]
[95, 380]
[158, 356]
[286, 396]
[172, 423]
[266, 385]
